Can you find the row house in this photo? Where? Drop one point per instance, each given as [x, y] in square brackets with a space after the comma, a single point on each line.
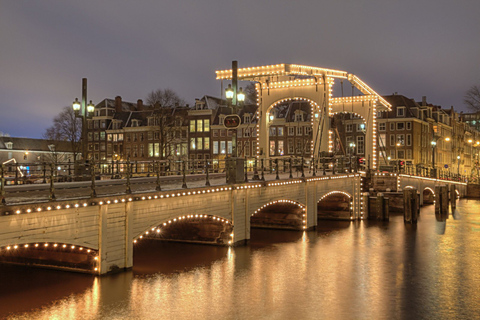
[122, 130]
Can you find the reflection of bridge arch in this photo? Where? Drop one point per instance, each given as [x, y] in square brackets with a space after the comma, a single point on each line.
[281, 213]
[337, 205]
[51, 254]
[200, 228]
[428, 195]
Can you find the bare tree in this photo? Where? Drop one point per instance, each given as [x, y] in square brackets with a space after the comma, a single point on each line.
[66, 127]
[472, 98]
[168, 116]
[164, 97]
[250, 93]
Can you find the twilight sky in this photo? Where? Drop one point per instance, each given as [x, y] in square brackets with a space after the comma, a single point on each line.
[128, 48]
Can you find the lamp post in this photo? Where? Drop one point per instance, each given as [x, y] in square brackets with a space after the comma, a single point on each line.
[434, 170]
[458, 168]
[84, 112]
[352, 153]
[236, 168]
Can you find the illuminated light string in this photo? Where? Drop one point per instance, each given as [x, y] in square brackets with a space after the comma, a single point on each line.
[123, 200]
[157, 228]
[282, 201]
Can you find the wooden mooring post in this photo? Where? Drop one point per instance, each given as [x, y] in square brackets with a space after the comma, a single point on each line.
[378, 208]
[411, 205]
[441, 203]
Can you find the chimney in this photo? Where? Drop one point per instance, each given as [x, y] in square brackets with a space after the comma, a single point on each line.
[118, 104]
[140, 105]
[424, 101]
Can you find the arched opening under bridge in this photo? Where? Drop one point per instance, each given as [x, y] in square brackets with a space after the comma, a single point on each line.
[195, 228]
[280, 214]
[51, 255]
[335, 205]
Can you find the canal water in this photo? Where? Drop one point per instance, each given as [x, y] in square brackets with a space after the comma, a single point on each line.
[342, 270]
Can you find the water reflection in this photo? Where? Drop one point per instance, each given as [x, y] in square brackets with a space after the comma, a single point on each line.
[343, 270]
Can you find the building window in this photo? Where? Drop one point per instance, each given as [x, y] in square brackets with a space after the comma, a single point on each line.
[360, 144]
[401, 154]
[382, 140]
[247, 149]
[206, 143]
[142, 150]
[192, 143]
[272, 147]
[273, 131]
[229, 144]
[199, 143]
[308, 130]
[280, 131]
[291, 131]
[382, 126]
[409, 125]
[192, 125]
[291, 146]
[215, 147]
[298, 117]
[280, 148]
[401, 139]
[392, 140]
[206, 125]
[349, 127]
[400, 111]
[400, 125]
[409, 139]
[215, 133]
[409, 154]
[299, 131]
[199, 125]
[246, 132]
[392, 126]
[222, 147]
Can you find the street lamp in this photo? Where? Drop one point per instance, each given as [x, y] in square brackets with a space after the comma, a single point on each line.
[352, 146]
[83, 111]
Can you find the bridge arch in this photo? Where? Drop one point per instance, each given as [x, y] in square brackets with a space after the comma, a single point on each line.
[52, 254]
[336, 205]
[199, 228]
[281, 214]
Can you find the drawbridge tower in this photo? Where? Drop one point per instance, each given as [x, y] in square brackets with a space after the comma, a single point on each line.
[280, 83]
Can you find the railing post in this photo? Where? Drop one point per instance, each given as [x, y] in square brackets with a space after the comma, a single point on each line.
[314, 167]
[156, 165]
[93, 193]
[255, 172]
[263, 168]
[276, 169]
[184, 185]
[2, 186]
[291, 164]
[207, 180]
[128, 189]
[246, 170]
[52, 189]
[303, 171]
[16, 173]
[44, 172]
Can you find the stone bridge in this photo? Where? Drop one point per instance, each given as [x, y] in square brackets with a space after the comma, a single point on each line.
[98, 235]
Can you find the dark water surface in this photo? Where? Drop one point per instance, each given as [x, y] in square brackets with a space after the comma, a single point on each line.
[343, 270]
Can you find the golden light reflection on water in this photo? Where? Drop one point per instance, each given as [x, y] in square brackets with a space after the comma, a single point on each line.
[343, 270]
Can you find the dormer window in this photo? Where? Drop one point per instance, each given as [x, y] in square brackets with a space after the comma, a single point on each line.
[9, 145]
[298, 117]
[221, 118]
[400, 111]
[246, 118]
[135, 123]
[51, 147]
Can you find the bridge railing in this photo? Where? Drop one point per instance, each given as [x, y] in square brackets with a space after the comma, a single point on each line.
[40, 181]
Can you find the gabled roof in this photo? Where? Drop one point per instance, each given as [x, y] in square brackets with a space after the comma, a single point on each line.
[29, 144]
